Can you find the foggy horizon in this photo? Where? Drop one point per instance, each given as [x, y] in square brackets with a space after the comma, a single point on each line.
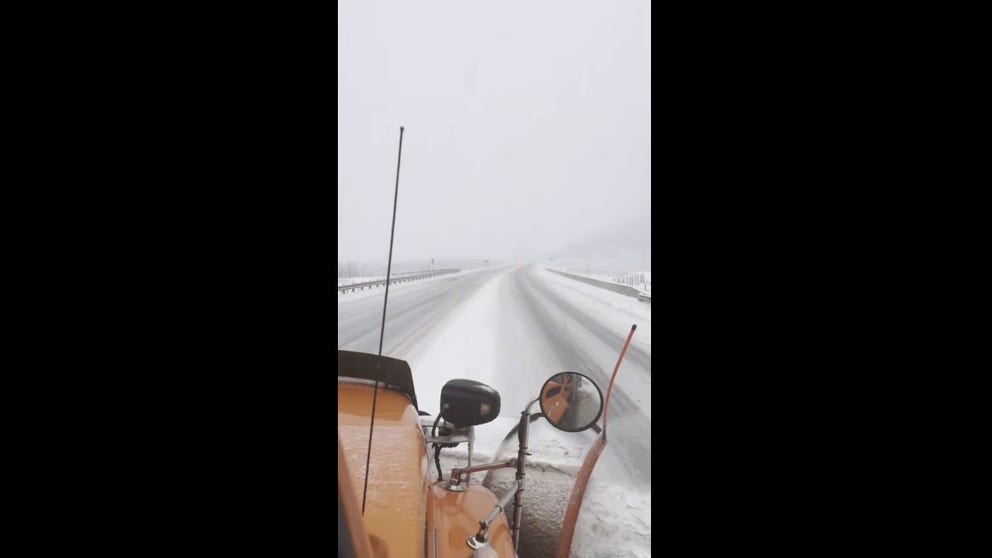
[527, 131]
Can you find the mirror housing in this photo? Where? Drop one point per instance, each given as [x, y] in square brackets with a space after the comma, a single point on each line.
[571, 401]
[468, 403]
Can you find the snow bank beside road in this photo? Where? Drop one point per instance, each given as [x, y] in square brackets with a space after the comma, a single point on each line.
[614, 519]
[612, 522]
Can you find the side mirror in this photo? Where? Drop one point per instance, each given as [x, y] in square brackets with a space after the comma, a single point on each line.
[571, 401]
[468, 403]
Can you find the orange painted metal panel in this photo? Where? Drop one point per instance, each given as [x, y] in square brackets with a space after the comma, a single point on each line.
[396, 501]
[456, 516]
[352, 510]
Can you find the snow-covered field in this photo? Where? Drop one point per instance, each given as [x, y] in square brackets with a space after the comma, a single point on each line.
[512, 328]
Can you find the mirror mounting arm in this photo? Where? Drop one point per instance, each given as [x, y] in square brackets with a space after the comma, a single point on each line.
[483, 535]
[521, 471]
[456, 474]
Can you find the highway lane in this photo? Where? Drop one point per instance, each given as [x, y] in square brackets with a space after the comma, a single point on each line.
[577, 341]
[413, 309]
[545, 328]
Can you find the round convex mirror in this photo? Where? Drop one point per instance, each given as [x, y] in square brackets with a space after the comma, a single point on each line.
[571, 401]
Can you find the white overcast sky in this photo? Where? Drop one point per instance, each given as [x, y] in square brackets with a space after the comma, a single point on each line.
[527, 125]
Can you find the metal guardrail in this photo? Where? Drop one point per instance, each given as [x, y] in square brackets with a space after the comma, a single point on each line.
[615, 287]
[393, 280]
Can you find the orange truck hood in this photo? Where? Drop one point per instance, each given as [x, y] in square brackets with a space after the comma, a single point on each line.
[398, 481]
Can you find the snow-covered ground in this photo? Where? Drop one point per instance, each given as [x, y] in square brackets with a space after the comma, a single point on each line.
[614, 520]
[512, 328]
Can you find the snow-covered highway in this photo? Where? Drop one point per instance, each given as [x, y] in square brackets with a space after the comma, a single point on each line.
[512, 328]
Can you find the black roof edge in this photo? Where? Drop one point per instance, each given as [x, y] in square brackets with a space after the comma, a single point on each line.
[366, 366]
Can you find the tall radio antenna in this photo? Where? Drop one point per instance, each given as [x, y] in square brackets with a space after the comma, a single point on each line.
[382, 330]
[392, 231]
